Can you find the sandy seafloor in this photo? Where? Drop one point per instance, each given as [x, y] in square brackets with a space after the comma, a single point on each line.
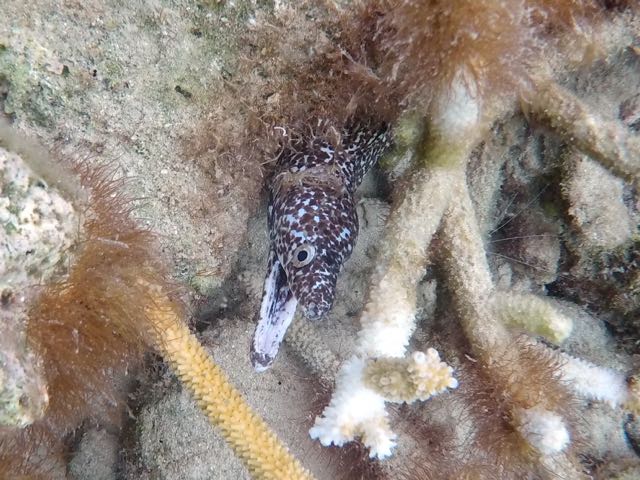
[130, 83]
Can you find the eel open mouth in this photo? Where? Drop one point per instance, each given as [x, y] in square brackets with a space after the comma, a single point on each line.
[276, 313]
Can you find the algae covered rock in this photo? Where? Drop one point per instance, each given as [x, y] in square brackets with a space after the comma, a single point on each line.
[37, 228]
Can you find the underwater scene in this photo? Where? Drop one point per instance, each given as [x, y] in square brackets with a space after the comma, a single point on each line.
[356, 240]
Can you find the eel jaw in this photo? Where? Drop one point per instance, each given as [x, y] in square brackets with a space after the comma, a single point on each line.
[276, 313]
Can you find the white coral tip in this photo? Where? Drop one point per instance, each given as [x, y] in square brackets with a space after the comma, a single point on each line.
[594, 382]
[380, 444]
[544, 430]
[355, 411]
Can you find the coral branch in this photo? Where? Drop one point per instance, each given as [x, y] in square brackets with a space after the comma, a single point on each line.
[462, 93]
[469, 279]
[598, 383]
[355, 411]
[468, 272]
[388, 325]
[417, 377]
[305, 341]
[532, 314]
[596, 202]
[543, 430]
[388, 319]
[605, 141]
[251, 439]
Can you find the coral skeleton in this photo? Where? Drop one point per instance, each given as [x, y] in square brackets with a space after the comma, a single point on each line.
[607, 142]
[306, 342]
[387, 325]
[597, 207]
[533, 314]
[367, 385]
[355, 411]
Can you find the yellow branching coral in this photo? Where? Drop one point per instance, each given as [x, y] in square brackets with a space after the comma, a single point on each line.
[91, 325]
[533, 314]
[249, 436]
[418, 377]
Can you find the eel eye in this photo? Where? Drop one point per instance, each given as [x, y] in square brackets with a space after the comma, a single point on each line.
[303, 255]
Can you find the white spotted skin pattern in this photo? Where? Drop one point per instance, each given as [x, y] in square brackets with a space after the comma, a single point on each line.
[315, 206]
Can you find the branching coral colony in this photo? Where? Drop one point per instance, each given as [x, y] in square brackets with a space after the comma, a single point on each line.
[453, 64]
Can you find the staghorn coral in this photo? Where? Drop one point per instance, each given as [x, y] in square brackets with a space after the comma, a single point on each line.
[598, 383]
[596, 199]
[472, 292]
[607, 142]
[457, 121]
[533, 314]
[407, 380]
[303, 338]
[363, 386]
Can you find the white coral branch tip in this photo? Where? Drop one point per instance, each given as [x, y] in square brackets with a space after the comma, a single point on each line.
[429, 374]
[593, 382]
[543, 430]
[357, 408]
[355, 412]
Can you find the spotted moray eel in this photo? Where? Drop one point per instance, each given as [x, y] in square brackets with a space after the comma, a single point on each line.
[313, 227]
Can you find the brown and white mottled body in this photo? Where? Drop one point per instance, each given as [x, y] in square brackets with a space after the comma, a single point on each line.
[312, 227]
